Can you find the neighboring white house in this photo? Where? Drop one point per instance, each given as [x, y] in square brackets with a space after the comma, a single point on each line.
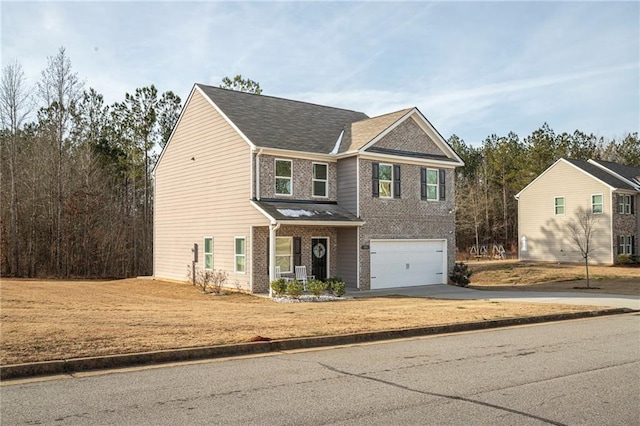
[258, 182]
[609, 190]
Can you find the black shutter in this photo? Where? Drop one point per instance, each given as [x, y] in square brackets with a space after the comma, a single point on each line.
[375, 173]
[423, 183]
[396, 181]
[297, 251]
[442, 177]
[632, 198]
[268, 254]
[633, 245]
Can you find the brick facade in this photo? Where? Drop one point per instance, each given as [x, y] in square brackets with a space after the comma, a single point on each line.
[260, 250]
[625, 224]
[302, 171]
[409, 136]
[407, 217]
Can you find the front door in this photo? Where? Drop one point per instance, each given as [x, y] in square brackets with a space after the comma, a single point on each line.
[319, 255]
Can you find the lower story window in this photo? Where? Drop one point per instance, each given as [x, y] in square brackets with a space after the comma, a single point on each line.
[208, 253]
[625, 244]
[240, 254]
[284, 250]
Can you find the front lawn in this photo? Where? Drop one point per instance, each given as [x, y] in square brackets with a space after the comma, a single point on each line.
[47, 320]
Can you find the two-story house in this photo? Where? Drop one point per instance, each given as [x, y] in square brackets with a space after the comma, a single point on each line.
[608, 190]
[258, 182]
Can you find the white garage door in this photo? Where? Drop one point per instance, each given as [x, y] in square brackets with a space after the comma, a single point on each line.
[405, 263]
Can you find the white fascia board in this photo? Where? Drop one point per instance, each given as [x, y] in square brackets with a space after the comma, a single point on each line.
[410, 160]
[387, 130]
[272, 220]
[336, 148]
[320, 223]
[223, 115]
[184, 108]
[614, 174]
[278, 152]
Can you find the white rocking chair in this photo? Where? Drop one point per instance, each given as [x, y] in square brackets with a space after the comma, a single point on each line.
[301, 275]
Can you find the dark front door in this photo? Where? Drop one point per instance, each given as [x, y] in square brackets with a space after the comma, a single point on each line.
[319, 256]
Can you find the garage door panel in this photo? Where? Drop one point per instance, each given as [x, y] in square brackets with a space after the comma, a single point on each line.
[404, 263]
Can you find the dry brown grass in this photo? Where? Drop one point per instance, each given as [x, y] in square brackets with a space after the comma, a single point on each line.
[527, 276]
[45, 320]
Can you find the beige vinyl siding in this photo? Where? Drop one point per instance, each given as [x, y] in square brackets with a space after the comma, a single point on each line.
[347, 256]
[347, 184]
[546, 233]
[203, 185]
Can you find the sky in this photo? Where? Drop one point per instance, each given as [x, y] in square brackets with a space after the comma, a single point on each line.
[472, 68]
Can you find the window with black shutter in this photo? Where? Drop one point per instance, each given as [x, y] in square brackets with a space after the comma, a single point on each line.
[423, 183]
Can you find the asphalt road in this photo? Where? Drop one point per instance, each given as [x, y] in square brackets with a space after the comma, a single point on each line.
[583, 372]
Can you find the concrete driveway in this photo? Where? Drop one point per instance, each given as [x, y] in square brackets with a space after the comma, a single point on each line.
[441, 291]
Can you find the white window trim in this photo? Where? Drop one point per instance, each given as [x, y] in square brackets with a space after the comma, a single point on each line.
[592, 203]
[314, 180]
[555, 205]
[626, 204]
[626, 244]
[437, 184]
[380, 180]
[235, 255]
[204, 253]
[275, 171]
[290, 254]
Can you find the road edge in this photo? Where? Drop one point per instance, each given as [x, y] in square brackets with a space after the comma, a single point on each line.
[76, 365]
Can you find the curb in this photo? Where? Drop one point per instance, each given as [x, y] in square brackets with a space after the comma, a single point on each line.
[76, 365]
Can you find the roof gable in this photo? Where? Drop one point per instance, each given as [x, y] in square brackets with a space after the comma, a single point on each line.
[270, 122]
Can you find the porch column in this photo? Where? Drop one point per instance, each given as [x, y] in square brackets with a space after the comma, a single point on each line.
[272, 254]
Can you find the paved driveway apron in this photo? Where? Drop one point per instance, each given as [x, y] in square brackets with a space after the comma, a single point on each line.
[441, 291]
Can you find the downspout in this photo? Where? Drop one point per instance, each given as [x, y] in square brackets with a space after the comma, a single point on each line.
[272, 254]
[258, 174]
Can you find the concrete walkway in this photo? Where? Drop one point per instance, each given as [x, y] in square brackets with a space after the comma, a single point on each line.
[441, 291]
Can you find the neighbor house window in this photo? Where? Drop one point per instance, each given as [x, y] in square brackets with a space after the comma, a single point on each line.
[240, 254]
[432, 184]
[284, 254]
[625, 204]
[596, 204]
[559, 205]
[320, 179]
[208, 253]
[283, 177]
[625, 244]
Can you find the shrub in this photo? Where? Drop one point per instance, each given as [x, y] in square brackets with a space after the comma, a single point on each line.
[279, 286]
[624, 259]
[294, 288]
[336, 286]
[461, 274]
[316, 287]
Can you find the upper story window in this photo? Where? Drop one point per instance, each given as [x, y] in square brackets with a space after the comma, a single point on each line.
[320, 179]
[432, 184]
[596, 204]
[559, 205]
[283, 177]
[386, 180]
[625, 203]
[208, 253]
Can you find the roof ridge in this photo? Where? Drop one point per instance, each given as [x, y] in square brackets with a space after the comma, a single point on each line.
[280, 98]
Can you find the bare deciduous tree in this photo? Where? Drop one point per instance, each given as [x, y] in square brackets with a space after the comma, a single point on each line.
[15, 105]
[581, 231]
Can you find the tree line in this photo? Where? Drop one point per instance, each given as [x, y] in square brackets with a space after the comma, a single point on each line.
[495, 171]
[77, 192]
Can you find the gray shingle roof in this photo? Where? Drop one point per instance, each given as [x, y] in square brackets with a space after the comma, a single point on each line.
[628, 172]
[272, 122]
[600, 174]
[284, 211]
